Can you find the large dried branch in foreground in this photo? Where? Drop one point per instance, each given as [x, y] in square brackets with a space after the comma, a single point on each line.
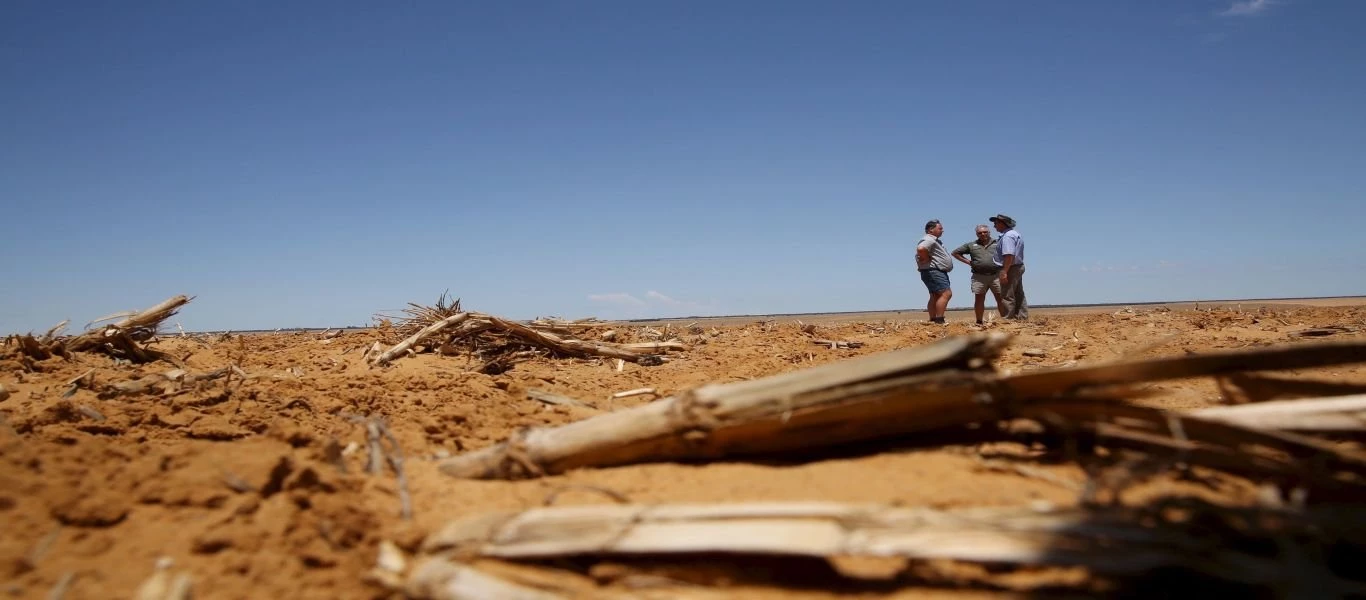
[839, 402]
[1239, 546]
[1345, 414]
[940, 385]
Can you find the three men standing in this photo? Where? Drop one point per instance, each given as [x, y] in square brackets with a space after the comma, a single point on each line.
[997, 265]
[985, 270]
[934, 264]
[1010, 255]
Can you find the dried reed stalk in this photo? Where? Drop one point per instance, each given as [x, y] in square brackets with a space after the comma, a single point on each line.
[1344, 414]
[1110, 542]
[904, 390]
[139, 326]
[947, 383]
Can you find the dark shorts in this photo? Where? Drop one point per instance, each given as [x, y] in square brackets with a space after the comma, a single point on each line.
[936, 280]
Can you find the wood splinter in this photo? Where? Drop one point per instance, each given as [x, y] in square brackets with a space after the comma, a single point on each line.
[636, 392]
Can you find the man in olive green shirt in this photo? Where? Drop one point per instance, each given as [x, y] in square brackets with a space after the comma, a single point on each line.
[985, 271]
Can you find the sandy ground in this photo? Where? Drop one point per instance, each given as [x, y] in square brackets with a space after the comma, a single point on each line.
[236, 486]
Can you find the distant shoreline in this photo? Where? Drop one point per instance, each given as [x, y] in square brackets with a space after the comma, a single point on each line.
[906, 313]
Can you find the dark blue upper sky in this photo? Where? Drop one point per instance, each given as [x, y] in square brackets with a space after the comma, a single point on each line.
[312, 163]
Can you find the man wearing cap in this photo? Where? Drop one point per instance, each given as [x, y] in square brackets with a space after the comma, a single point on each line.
[934, 264]
[1010, 256]
[985, 271]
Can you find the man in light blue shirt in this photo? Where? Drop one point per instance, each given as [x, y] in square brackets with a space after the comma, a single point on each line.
[1010, 256]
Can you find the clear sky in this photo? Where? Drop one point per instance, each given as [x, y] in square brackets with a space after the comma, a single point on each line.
[311, 163]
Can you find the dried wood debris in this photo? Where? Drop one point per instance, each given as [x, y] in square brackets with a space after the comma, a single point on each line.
[498, 343]
[951, 384]
[1183, 538]
[810, 331]
[128, 339]
[383, 448]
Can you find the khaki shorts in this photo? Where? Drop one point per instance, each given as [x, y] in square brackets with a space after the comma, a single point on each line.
[981, 282]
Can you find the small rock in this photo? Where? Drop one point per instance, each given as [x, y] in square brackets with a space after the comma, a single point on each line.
[215, 428]
[91, 511]
[4, 393]
[1034, 352]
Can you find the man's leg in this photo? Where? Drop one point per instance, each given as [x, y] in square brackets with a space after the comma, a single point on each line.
[942, 305]
[1014, 293]
[979, 293]
[1021, 306]
[926, 279]
[995, 287]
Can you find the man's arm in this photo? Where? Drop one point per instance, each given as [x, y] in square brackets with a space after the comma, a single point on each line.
[958, 254]
[922, 253]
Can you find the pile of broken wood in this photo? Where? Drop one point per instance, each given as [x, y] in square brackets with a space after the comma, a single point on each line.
[1297, 438]
[445, 328]
[128, 339]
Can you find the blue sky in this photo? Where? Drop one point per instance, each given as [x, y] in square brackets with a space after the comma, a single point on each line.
[312, 163]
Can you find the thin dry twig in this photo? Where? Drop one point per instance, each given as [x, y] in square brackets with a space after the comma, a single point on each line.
[377, 435]
[58, 591]
[395, 456]
[556, 399]
[1030, 472]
